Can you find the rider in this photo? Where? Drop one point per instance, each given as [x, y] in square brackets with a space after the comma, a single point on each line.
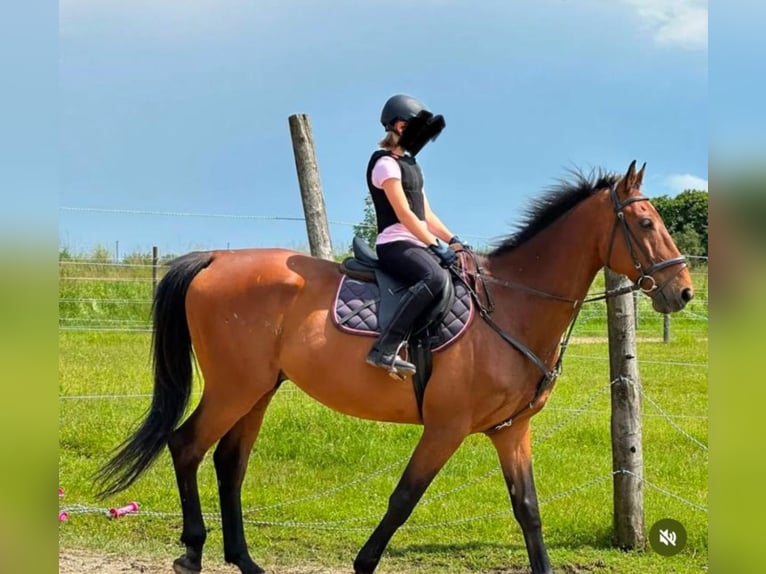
[413, 244]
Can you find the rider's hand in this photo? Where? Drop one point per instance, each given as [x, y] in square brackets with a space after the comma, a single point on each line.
[446, 256]
[456, 244]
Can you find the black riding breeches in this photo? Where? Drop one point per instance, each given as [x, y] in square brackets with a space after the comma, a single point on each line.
[412, 263]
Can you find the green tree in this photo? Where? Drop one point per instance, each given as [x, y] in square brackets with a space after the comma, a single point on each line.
[367, 229]
[686, 212]
[688, 241]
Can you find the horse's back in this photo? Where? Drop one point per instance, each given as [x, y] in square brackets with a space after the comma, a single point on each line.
[269, 310]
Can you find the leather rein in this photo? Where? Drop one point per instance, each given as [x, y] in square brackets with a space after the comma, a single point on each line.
[645, 282]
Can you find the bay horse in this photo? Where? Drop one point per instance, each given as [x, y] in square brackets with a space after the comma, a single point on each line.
[255, 318]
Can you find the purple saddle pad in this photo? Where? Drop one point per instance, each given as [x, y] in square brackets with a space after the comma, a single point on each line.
[356, 311]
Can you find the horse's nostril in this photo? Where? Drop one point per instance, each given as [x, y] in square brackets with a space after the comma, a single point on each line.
[687, 295]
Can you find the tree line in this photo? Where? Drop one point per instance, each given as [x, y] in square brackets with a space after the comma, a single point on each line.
[685, 216]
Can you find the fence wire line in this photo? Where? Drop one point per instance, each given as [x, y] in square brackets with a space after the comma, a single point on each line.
[108, 263]
[338, 525]
[694, 315]
[103, 300]
[400, 462]
[480, 478]
[250, 217]
[538, 441]
[228, 216]
[605, 412]
[663, 490]
[668, 418]
[181, 214]
[332, 491]
[583, 409]
[108, 279]
[103, 330]
[138, 322]
[642, 361]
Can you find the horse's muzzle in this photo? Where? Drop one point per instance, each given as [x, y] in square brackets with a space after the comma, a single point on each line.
[671, 298]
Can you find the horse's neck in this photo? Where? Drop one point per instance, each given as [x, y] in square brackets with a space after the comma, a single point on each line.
[562, 260]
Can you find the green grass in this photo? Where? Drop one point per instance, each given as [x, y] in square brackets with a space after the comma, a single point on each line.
[310, 454]
[318, 482]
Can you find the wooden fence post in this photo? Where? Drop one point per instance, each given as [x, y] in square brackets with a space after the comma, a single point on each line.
[627, 442]
[155, 262]
[636, 295]
[311, 186]
[666, 328]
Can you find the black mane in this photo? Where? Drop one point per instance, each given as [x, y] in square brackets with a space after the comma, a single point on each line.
[555, 202]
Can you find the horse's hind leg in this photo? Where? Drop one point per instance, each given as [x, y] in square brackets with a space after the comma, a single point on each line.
[435, 448]
[230, 459]
[514, 449]
[213, 417]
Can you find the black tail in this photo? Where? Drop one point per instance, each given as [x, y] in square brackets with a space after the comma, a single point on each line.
[172, 354]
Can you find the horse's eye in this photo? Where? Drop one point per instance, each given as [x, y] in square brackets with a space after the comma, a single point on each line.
[646, 223]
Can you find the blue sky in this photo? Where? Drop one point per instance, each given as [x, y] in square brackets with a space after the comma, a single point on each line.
[182, 106]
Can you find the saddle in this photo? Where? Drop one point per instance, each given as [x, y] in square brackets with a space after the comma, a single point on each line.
[367, 299]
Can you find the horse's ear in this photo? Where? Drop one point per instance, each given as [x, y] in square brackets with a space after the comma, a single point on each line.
[628, 181]
[640, 176]
[630, 176]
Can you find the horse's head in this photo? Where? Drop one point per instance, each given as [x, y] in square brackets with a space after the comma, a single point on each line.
[640, 246]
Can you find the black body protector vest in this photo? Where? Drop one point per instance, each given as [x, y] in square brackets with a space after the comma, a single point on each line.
[412, 183]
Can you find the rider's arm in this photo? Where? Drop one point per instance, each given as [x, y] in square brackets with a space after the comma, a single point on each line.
[435, 224]
[392, 187]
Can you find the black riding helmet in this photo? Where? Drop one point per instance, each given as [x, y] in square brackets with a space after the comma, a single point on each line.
[400, 107]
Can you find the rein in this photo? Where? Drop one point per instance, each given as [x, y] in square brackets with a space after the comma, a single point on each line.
[645, 282]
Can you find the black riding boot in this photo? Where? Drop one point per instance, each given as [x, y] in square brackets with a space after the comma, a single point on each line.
[384, 351]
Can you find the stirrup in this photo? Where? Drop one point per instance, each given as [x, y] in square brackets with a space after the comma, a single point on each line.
[396, 367]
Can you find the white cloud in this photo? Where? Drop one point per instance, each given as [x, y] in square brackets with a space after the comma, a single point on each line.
[678, 22]
[680, 182]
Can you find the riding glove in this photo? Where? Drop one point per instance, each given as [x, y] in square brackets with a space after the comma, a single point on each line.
[458, 244]
[446, 256]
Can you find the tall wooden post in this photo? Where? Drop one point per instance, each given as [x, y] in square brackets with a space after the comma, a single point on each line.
[311, 186]
[627, 442]
[636, 295]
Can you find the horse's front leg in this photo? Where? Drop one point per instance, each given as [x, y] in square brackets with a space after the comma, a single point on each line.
[435, 448]
[515, 452]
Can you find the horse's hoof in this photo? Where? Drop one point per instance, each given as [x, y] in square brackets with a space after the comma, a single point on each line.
[244, 563]
[184, 565]
[248, 567]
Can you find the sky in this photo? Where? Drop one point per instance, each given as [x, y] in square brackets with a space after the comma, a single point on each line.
[181, 107]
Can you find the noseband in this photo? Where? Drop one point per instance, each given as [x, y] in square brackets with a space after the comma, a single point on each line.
[645, 281]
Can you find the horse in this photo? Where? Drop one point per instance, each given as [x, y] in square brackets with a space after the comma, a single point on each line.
[255, 318]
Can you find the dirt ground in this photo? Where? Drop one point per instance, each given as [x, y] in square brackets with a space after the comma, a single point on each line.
[87, 562]
[84, 562]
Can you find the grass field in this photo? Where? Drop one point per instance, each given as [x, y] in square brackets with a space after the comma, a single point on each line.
[318, 481]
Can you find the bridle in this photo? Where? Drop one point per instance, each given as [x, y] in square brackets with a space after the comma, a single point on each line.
[645, 282]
